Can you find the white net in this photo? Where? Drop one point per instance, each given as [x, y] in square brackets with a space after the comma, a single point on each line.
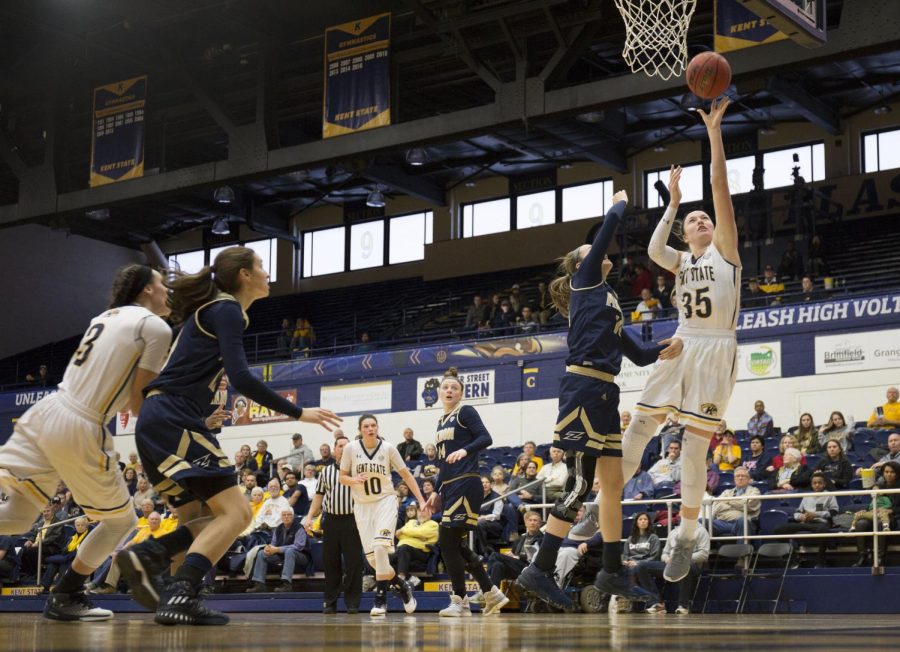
[656, 35]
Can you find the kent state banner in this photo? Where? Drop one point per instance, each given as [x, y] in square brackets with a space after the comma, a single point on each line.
[357, 76]
[117, 147]
[737, 27]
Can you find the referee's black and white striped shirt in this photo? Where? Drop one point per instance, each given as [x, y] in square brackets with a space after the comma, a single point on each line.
[337, 498]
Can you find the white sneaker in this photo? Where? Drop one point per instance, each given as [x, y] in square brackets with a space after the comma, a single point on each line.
[682, 611]
[414, 581]
[494, 601]
[658, 608]
[477, 598]
[380, 606]
[455, 609]
[467, 609]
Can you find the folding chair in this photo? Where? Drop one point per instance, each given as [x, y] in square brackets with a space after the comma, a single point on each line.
[737, 555]
[769, 553]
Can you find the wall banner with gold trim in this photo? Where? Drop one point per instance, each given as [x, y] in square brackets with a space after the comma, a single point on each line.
[117, 147]
[737, 27]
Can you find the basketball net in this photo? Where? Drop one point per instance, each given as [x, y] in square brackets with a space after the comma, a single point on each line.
[656, 35]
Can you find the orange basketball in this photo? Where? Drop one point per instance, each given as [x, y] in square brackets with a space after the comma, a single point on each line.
[708, 75]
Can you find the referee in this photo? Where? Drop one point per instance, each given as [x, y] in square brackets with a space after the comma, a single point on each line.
[340, 536]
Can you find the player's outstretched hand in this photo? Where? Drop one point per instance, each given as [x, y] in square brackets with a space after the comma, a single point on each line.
[674, 188]
[214, 421]
[713, 119]
[456, 456]
[674, 346]
[321, 416]
[620, 196]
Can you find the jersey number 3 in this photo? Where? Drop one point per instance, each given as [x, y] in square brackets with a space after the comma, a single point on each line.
[697, 304]
[87, 345]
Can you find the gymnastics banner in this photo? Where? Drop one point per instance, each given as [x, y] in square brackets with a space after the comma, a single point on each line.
[245, 412]
[357, 76]
[737, 27]
[117, 147]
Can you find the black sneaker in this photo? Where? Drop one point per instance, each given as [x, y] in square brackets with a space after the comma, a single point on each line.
[178, 605]
[405, 593]
[533, 581]
[618, 584]
[142, 567]
[73, 606]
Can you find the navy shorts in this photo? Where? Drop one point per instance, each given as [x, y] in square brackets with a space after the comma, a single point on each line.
[588, 419]
[461, 501]
[180, 455]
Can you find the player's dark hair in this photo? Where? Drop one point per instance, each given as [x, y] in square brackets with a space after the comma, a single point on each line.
[561, 287]
[453, 374]
[130, 281]
[190, 291]
[363, 417]
[337, 439]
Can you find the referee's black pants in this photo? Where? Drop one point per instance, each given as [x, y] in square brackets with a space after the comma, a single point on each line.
[342, 556]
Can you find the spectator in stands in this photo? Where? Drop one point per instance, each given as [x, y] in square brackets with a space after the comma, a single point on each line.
[524, 497]
[9, 560]
[325, 459]
[770, 283]
[754, 297]
[728, 515]
[760, 460]
[133, 461]
[269, 515]
[792, 475]
[791, 265]
[147, 508]
[415, 541]
[240, 465]
[427, 489]
[57, 564]
[409, 448]
[249, 481]
[404, 498]
[888, 416]
[543, 304]
[814, 515]
[646, 308]
[529, 448]
[289, 547]
[257, 498]
[296, 494]
[130, 477]
[639, 486]
[817, 266]
[517, 475]
[642, 280]
[309, 479]
[718, 436]
[429, 466]
[727, 454]
[304, 336]
[864, 522]
[498, 480]
[806, 434]
[365, 344]
[53, 539]
[836, 428]
[508, 565]
[261, 463]
[300, 454]
[554, 474]
[526, 324]
[624, 419]
[662, 292]
[668, 469]
[787, 441]
[494, 308]
[144, 492]
[892, 455]
[503, 322]
[649, 570]
[283, 341]
[489, 525]
[106, 577]
[476, 313]
[671, 431]
[515, 300]
[42, 378]
[642, 544]
[835, 466]
[761, 421]
[808, 291]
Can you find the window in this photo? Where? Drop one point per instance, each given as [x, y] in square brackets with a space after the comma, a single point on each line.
[779, 165]
[323, 252]
[267, 250]
[740, 174]
[691, 185]
[586, 200]
[881, 151]
[189, 262]
[536, 209]
[215, 251]
[409, 235]
[367, 245]
[486, 217]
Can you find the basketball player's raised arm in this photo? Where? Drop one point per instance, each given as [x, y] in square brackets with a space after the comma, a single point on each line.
[156, 337]
[590, 272]
[658, 250]
[726, 235]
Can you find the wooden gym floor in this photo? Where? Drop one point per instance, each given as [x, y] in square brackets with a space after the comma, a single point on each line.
[507, 632]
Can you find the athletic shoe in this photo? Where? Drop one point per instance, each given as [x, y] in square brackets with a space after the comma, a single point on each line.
[658, 608]
[682, 611]
[679, 564]
[494, 601]
[405, 593]
[618, 584]
[467, 608]
[103, 589]
[380, 606]
[413, 581]
[454, 609]
[477, 598]
[73, 606]
[543, 586]
[178, 605]
[142, 567]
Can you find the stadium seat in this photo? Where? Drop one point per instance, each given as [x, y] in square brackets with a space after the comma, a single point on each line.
[627, 524]
[723, 486]
[767, 564]
[772, 518]
[663, 489]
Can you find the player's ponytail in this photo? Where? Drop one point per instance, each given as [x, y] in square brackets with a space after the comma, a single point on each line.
[130, 281]
[561, 287]
[453, 374]
[190, 291]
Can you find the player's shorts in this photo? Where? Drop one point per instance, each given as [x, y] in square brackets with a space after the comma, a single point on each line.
[178, 451]
[588, 420]
[376, 523]
[52, 441]
[696, 385]
[461, 501]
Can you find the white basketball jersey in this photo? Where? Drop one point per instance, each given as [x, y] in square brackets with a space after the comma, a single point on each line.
[98, 379]
[707, 291]
[377, 464]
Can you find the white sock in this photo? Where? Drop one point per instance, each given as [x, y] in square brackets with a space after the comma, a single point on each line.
[688, 529]
[637, 435]
[693, 479]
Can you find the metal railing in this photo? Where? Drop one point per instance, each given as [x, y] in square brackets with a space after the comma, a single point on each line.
[40, 540]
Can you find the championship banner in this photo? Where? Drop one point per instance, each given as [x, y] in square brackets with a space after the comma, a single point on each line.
[126, 423]
[478, 389]
[245, 412]
[117, 148]
[737, 27]
[857, 352]
[357, 76]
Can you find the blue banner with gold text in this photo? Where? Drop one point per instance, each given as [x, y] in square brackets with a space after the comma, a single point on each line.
[737, 27]
[117, 148]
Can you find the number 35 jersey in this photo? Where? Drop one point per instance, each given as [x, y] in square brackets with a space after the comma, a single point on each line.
[708, 292]
[377, 463]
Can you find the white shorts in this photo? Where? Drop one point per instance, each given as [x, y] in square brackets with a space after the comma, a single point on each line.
[376, 523]
[697, 385]
[51, 442]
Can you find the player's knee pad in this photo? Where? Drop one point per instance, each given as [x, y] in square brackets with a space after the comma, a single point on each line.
[105, 538]
[578, 486]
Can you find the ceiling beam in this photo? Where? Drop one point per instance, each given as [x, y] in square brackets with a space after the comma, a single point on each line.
[792, 93]
[397, 178]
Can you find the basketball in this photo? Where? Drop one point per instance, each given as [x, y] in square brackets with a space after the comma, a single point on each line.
[708, 75]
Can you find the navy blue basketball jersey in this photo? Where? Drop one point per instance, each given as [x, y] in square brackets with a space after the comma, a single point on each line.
[595, 327]
[461, 428]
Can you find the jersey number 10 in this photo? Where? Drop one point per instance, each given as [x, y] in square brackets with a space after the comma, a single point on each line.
[372, 486]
